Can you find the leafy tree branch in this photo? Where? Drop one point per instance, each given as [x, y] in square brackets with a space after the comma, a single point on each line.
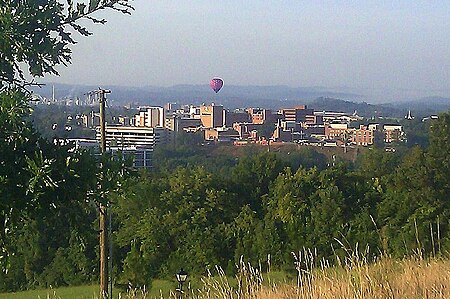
[36, 35]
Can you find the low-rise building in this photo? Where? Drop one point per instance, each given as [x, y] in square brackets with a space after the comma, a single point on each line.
[178, 123]
[393, 132]
[363, 136]
[90, 120]
[335, 131]
[221, 134]
[245, 130]
[232, 117]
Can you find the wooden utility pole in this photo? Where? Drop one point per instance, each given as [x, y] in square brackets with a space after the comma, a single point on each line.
[103, 208]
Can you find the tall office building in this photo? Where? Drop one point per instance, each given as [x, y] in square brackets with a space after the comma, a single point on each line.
[132, 136]
[137, 142]
[297, 114]
[212, 116]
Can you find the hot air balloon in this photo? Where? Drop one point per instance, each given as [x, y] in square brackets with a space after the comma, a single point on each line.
[216, 84]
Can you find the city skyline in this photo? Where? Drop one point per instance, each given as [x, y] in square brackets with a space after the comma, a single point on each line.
[374, 47]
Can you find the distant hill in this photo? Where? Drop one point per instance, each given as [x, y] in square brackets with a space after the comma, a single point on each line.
[362, 109]
[231, 96]
[425, 106]
[421, 107]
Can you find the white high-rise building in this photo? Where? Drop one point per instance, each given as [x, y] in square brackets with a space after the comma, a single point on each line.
[151, 117]
[137, 142]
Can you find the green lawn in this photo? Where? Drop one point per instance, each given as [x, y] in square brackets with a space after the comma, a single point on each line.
[85, 292]
[91, 292]
[81, 292]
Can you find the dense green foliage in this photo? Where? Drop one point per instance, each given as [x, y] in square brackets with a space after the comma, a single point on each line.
[43, 189]
[48, 205]
[48, 192]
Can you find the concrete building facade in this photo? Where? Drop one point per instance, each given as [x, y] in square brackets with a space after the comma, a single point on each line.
[151, 117]
[120, 136]
[212, 116]
[363, 136]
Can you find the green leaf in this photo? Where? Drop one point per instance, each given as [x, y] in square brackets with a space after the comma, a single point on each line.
[93, 4]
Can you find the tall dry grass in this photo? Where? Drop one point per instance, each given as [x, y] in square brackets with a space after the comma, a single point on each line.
[413, 277]
[354, 277]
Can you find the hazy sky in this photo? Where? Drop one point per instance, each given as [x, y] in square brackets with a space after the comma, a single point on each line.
[359, 44]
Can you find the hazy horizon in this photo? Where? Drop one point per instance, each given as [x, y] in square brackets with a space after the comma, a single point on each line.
[389, 50]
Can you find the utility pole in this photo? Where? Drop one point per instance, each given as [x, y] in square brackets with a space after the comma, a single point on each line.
[103, 208]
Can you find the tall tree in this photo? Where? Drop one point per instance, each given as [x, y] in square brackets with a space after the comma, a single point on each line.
[35, 175]
[439, 153]
[253, 176]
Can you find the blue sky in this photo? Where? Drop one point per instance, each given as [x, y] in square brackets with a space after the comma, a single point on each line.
[379, 45]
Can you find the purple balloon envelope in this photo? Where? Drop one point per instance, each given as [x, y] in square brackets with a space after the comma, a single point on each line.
[216, 84]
